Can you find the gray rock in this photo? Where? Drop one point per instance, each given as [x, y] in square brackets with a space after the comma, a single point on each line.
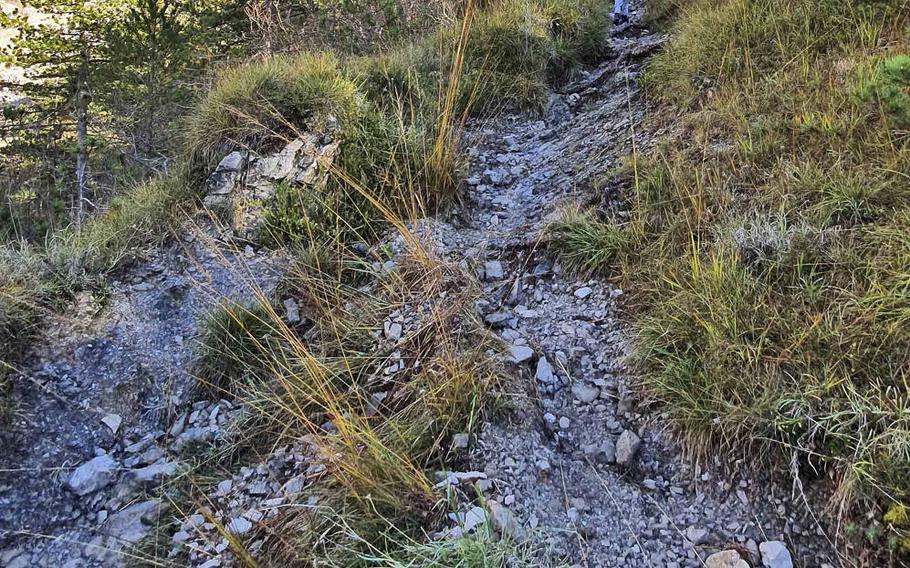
[583, 292]
[774, 554]
[696, 535]
[498, 320]
[291, 310]
[93, 475]
[134, 522]
[505, 522]
[544, 371]
[239, 526]
[585, 393]
[520, 353]
[154, 473]
[225, 486]
[627, 447]
[461, 440]
[112, 421]
[472, 519]
[233, 162]
[492, 270]
[392, 330]
[726, 559]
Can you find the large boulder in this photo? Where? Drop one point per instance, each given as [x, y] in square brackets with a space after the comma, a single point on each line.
[241, 189]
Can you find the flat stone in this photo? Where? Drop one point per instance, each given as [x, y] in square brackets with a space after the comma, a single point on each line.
[696, 535]
[585, 393]
[774, 554]
[155, 472]
[474, 517]
[520, 353]
[583, 292]
[91, 476]
[492, 270]
[498, 319]
[726, 559]
[239, 526]
[230, 163]
[133, 523]
[112, 421]
[224, 486]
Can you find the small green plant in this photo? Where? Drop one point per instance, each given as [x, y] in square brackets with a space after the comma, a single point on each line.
[889, 86]
[233, 343]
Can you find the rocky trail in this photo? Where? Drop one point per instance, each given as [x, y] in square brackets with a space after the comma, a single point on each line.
[596, 480]
[578, 469]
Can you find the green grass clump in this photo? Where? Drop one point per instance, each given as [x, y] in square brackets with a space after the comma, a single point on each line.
[516, 50]
[890, 87]
[513, 52]
[770, 256]
[583, 243]
[233, 340]
[258, 102]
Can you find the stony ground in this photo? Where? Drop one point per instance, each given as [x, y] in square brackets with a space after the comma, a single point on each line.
[104, 404]
[577, 467]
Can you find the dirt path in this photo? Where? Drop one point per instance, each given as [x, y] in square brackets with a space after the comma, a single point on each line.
[570, 468]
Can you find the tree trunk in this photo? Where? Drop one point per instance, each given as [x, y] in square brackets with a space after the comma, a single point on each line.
[81, 110]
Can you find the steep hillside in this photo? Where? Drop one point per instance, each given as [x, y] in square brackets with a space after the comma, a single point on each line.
[529, 289]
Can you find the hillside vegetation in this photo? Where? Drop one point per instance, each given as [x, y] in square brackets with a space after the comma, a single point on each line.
[764, 244]
[398, 110]
[768, 247]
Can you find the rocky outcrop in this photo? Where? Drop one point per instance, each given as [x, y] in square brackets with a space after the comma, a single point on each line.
[241, 189]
